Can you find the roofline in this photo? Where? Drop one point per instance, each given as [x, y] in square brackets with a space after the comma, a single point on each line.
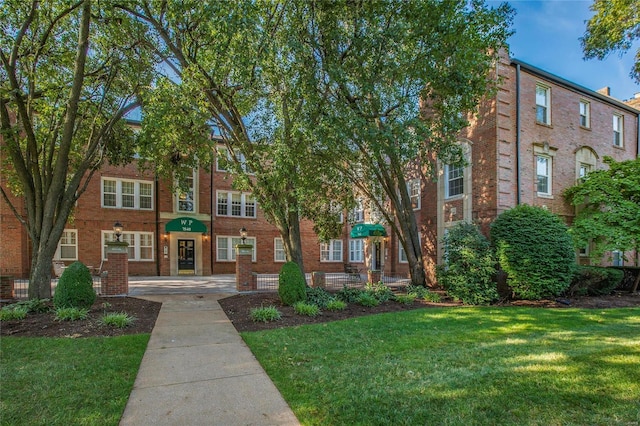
[570, 85]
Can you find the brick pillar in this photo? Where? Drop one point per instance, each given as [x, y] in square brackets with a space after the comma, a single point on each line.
[6, 287]
[116, 281]
[244, 268]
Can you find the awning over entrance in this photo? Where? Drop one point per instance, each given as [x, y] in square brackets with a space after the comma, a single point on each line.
[185, 224]
[365, 230]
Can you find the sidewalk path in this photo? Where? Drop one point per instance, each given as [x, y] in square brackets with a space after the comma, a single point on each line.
[198, 371]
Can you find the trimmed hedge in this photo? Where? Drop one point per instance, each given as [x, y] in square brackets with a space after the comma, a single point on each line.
[594, 281]
[292, 286]
[535, 250]
[75, 288]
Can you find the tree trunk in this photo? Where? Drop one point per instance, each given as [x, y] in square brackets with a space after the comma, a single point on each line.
[40, 274]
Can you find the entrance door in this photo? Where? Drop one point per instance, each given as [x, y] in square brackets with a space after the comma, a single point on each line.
[376, 256]
[186, 257]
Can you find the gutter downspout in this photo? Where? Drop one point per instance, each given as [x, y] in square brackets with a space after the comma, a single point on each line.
[518, 134]
[211, 206]
[159, 248]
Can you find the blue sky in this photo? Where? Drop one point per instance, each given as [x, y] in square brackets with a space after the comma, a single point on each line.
[548, 37]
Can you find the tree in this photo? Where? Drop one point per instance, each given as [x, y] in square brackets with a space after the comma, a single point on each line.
[70, 71]
[608, 209]
[228, 66]
[392, 80]
[614, 27]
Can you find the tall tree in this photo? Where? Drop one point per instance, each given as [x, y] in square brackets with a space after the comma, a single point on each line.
[393, 80]
[614, 27]
[228, 66]
[608, 205]
[69, 74]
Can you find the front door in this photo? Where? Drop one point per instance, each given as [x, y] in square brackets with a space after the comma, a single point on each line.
[186, 257]
[376, 256]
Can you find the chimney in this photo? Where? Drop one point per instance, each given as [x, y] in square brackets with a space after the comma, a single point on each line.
[605, 91]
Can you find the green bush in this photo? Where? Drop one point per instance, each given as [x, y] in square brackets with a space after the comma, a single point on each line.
[423, 293]
[535, 250]
[406, 299]
[470, 266]
[71, 314]
[37, 306]
[349, 294]
[117, 319]
[367, 299]
[380, 291]
[292, 286]
[265, 314]
[336, 305]
[319, 297]
[13, 312]
[594, 281]
[75, 288]
[304, 308]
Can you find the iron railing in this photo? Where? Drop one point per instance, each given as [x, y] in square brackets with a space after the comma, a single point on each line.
[21, 287]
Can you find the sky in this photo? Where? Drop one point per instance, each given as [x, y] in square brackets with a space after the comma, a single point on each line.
[547, 36]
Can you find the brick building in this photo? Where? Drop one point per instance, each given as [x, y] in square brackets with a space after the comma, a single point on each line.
[526, 145]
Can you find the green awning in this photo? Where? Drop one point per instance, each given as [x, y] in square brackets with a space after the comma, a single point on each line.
[366, 230]
[185, 224]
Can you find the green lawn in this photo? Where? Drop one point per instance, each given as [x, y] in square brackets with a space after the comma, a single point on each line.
[46, 381]
[461, 366]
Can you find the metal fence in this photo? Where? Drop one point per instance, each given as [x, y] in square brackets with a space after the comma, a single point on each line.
[332, 281]
[21, 287]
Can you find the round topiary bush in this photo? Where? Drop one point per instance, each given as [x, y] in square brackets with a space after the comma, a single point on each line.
[535, 250]
[292, 286]
[75, 288]
[470, 266]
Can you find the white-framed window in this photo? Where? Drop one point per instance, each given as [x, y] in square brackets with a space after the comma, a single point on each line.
[337, 210]
[584, 251]
[279, 254]
[186, 195]
[543, 174]
[223, 160]
[543, 104]
[67, 246]
[402, 255]
[583, 169]
[413, 188]
[356, 251]
[127, 194]
[617, 258]
[453, 180]
[357, 214]
[226, 248]
[331, 251]
[235, 204]
[618, 130]
[585, 114]
[140, 244]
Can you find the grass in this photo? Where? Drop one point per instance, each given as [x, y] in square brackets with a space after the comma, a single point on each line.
[64, 381]
[464, 366]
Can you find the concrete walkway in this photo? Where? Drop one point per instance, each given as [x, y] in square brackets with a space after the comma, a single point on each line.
[198, 371]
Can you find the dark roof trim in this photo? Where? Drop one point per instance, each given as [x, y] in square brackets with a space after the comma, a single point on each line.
[573, 86]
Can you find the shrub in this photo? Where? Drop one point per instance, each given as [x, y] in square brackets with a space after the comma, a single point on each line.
[406, 299]
[265, 314]
[535, 250]
[291, 284]
[304, 308]
[349, 294]
[594, 281]
[470, 266]
[13, 312]
[367, 299]
[71, 314]
[423, 293]
[117, 319]
[336, 305]
[319, 297]
[37, 306]
[75, 288]
[380, 291]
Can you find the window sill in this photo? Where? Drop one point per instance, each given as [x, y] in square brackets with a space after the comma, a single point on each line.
[455, 197]
[544, 124]
[618, 147]
[546, 196]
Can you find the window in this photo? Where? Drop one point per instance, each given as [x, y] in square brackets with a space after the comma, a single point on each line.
[543, 172]
[413, 188]
[402, 255]
[618, 135]
[585, 114]
[357, 214]
[226, 248]
[617, 258]
[543, 95]
[583, 251]
[336, 209]
[186, 192]
[127, 194]
[356, 251]
[68, 245]
[140, 244]
[583, 170]
[278, 251]
[454, 180]
[586, 161]
[236, 204]
[331, 251]
[224, 160]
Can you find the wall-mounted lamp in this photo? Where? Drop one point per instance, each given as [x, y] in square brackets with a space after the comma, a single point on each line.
[243, 234]
[117, 230]
[205, 236]
[165, 237]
